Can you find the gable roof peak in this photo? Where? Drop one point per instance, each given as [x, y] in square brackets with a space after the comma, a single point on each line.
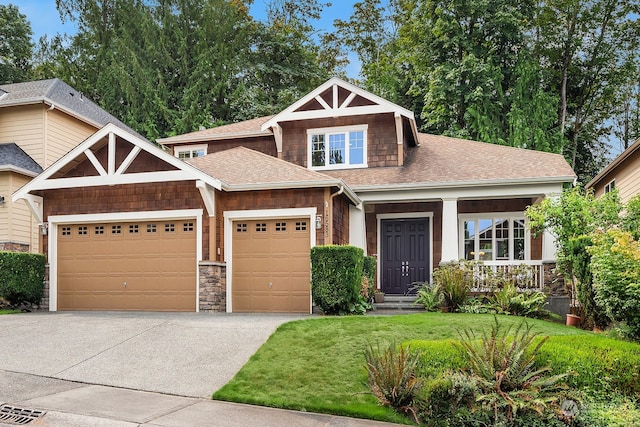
[339, 98]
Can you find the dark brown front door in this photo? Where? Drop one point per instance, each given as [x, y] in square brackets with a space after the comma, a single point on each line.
[405, 254]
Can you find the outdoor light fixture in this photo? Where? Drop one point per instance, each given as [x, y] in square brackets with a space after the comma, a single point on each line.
[1, 200]
[318, 222]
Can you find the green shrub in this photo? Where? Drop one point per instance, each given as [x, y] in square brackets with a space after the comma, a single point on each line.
[369, 268]
[600, 365]
[615, 263]
[508, 375]
[21, 277]
[456, 281]
[336, 277]
[429, 295]
[391, 372]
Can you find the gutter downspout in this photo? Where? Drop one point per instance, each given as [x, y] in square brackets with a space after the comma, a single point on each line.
[329, 215]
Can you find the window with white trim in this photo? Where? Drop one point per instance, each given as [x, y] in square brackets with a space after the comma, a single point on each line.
[190, 151]
[610, 186]
[494, 237]
[337, 148]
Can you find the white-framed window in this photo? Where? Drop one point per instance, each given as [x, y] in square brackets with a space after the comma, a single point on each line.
[494, 237]
[337, 148]
[190, 151]
[610, 186]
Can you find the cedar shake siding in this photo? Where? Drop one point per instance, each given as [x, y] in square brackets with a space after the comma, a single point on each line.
[126, 198]
[263, 144]
[340, 221]
[382, 144]
[266, 199]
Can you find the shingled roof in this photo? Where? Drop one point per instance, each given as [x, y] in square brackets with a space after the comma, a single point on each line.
[445, 161]
[60, 95]
[13, 158]
[247, 128]
[241, 169]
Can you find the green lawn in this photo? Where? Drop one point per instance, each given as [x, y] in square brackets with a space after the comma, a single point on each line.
[317, 364]
[9, 311]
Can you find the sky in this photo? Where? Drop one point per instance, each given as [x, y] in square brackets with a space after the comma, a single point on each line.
[45, 19]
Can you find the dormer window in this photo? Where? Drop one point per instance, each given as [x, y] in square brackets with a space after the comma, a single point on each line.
[337, 148]
[190, 151]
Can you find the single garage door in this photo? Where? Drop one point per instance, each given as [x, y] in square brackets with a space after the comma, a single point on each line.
[271, 266]
[127, 266]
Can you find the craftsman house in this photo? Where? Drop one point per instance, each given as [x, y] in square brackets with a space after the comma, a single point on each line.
[224, 218]
[39, 122]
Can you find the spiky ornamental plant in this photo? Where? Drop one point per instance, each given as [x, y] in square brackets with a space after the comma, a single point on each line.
[504, 363]
[392, 375]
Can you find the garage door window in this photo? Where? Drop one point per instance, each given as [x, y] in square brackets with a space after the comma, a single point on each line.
[151, 228]
[99, 229]
[241, 227]
[301, 225]
[82, 231]
[66, 231]
[133, 228]
[261, 227]
[116, 229]
[169, 228]
[187, 227]
[281, 226]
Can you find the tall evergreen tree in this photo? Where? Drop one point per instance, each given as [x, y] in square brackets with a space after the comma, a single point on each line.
[16, 47]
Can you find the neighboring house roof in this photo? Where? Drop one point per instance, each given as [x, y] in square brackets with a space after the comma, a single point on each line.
[59, 95]
[242, 169]
[13, 158]
[441, 161]
[246, 129]
[614, 164]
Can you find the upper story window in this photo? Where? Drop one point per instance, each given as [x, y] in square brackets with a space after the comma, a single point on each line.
[337, 148]
[610, 186]
[190, 151]
[494, 237]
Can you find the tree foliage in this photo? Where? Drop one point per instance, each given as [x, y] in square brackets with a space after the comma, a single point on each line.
[16, 47]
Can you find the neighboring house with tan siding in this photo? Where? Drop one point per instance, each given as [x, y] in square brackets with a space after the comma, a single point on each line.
[44, 119]
[623, 174]
[225, 220]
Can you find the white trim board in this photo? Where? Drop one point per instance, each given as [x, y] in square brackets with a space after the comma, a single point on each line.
[402, 215]
[56, 220]
[231, 216]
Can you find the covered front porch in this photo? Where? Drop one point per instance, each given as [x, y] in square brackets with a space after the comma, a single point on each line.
[410, 239]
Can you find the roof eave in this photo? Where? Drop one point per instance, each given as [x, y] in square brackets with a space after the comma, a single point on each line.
[454, 184]
[294, 185]
[621, 158]
[16, 169]
[214, 137]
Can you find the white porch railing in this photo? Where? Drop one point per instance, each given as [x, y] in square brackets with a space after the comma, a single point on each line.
[526, 279]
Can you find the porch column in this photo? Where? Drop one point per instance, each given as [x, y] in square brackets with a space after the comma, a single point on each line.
[357, 233]
[450, 230]
[548, 239]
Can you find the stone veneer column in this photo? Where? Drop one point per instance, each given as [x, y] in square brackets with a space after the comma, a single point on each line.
[213, 286]
[44, 302]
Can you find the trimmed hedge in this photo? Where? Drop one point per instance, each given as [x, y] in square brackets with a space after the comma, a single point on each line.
[599, 364]
[21, 277]
[369, 268]
[336, 277]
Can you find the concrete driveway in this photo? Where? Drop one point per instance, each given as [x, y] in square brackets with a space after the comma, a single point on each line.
[186, 354]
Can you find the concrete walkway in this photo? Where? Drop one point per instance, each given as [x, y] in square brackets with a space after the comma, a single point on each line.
[72, 404]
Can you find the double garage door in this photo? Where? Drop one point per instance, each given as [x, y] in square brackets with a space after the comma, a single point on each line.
[127, 266]
[271, 267]
[152, 266]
